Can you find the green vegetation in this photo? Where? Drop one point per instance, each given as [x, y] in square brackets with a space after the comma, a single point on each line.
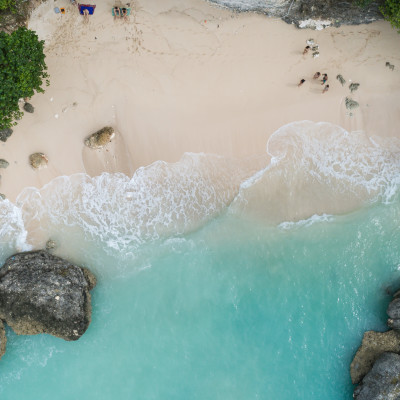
[22, 70]
[7, 5]
[391, 12]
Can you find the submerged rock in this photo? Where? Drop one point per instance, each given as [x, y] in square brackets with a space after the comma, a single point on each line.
[372, 346]
[4, 163]
[38, 160]
[393, 311]
[42, 293]
[3, 340]
[5, 134]
[51, 245]
[28, 107]
[100, 138]
[383, 382]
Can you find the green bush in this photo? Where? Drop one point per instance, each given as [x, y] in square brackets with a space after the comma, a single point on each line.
[7, 4]
[391, 12]
[22, 70]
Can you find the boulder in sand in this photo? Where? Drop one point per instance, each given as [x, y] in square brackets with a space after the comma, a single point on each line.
[383, 381]
[4, 163]
[38, 160]
[28, 107]
[5, 134]
[42, 293]
[100, 138]
[372, 346]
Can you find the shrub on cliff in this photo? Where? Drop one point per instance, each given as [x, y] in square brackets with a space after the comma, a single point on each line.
[391, 12]
[22, 70]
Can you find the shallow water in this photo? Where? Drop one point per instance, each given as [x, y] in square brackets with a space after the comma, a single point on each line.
[206, 290]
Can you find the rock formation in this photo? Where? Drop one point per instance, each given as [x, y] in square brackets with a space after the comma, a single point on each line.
[42, 293]
[28, 107]
[4, 163]
[38, 160]
[3, 340]
[383, 382]
[100, 138]
[5, 134]
[373, 345]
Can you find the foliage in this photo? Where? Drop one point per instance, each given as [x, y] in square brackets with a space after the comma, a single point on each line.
[363, 3]
[7, 4]
[22, 70]
[391, 12]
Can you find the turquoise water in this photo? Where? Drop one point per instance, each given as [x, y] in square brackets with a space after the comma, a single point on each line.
[234, 309]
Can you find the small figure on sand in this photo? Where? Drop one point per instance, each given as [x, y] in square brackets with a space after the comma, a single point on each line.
[317, 75]
[324, 79]
[301, 82]
[86, 15]
[117, 13]
[326, 88]
[306, 49]
[124, 14]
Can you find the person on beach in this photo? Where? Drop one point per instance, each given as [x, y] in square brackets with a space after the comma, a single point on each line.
[306, 49]
[317, 75]
[326, 88]
[85, 15]
[301, 82]
[117, 13]
[324, 79]
[124, 14]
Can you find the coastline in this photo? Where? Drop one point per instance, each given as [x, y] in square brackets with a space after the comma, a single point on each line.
[191, 78]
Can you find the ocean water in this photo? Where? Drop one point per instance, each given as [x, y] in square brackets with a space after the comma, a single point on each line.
[217, 278]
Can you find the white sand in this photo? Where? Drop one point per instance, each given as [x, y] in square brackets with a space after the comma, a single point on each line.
[183, 76]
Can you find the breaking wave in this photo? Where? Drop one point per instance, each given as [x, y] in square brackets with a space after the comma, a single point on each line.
[309, 169]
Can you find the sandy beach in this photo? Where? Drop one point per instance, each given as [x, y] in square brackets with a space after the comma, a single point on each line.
[185, 76]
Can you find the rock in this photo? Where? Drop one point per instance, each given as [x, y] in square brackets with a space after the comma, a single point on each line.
[2, 196]
[50, 245]
[4, 163]
[100, 138]
[28, 107]
[393, 311]
[42, 293]
[38, 160]
[383, 382]
[5, 134]
[372, 346]
[3, 340]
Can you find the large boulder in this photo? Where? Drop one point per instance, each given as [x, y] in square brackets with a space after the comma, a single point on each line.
[3, 340]
[28, 107]
[42, 293]
[393, 311]
[4, 163]
[38, 160]
[383, 382]
[100, 138]
[372, 346]
[5, 134]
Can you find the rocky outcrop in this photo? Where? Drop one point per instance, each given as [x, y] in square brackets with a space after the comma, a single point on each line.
[383, 382]
[28, 107]
[373, 345]
[5, 134]
[42, 293]
[3, 340]
[394, 312]
[4, 163]
[100, 138]
[38, 160]
[314, 14]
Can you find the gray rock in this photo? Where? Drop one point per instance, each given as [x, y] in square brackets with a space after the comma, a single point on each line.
[383, 382]
[372, 346]
[38, 160]
[50, 245]
[393, 309]
[42, 293]
[2, 196]
[100, 138]
[28, 107]
[3, 340]
[4, 163]
[5, 134]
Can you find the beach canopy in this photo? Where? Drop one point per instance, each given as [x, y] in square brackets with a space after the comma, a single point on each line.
[89, 7]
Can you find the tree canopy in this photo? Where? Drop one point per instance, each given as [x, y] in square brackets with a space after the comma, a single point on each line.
[22, 70]
[391, 12]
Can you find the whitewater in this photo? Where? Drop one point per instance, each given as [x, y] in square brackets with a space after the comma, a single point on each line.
[218, 278]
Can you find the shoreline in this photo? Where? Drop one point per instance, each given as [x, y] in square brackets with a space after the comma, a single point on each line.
[192, 78]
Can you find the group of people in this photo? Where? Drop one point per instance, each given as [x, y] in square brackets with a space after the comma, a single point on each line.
[121, 12]
[317, 75]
